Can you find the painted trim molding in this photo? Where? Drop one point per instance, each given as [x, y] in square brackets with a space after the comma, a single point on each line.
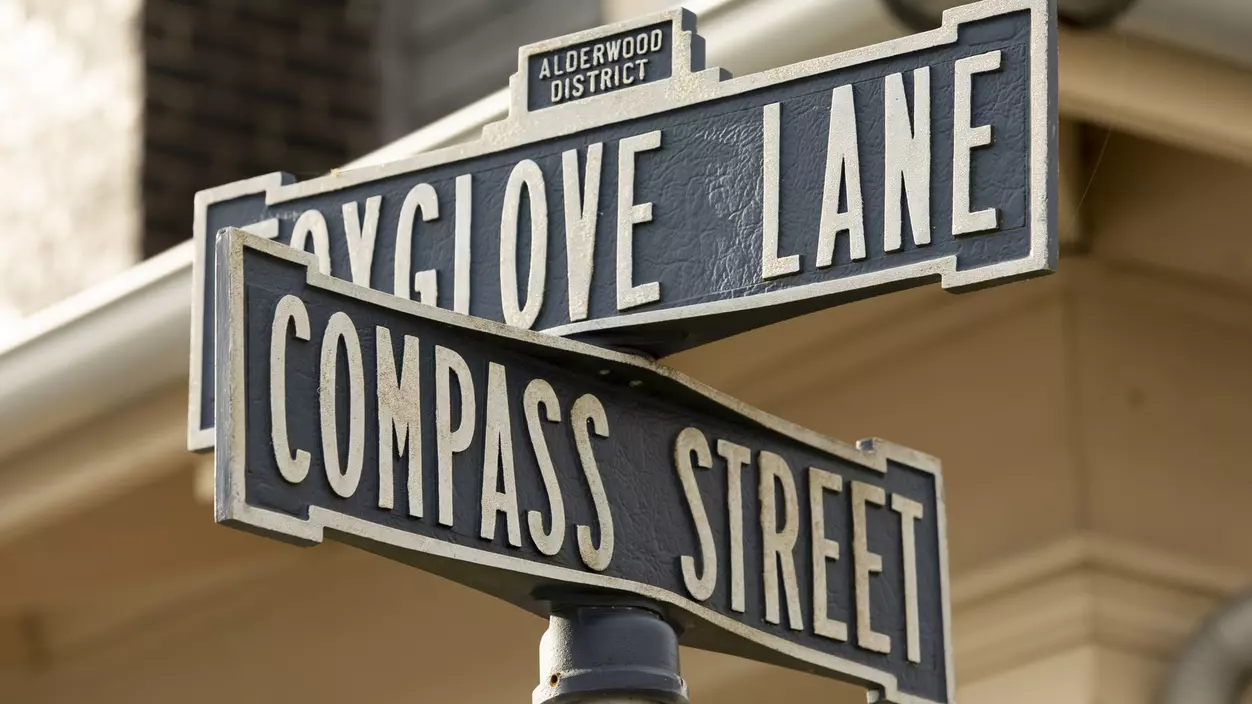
[1082, 590]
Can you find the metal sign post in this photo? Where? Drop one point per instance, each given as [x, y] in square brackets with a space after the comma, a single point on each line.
[367, 361]
[608, 650]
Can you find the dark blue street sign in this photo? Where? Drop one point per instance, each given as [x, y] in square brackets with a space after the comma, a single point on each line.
[526, 465]
[637, 200]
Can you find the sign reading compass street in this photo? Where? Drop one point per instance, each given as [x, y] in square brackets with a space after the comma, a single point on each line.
[635, 199]
[519, 463]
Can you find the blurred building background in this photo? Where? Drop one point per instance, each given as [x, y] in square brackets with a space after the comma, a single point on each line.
[1093, 425]
[115, 112]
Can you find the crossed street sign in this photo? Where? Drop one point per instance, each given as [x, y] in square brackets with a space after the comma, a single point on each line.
[366, 358]
[687, 206]
[515, 462]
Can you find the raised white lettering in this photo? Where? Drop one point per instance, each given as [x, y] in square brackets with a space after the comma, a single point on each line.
[290, 309]
[865, 563]
[692, 443]
[966, 137]
[581, 211]
[737, 457]
[779, 544]
[423, 198]
[772, 266]
[399, 416]
[539, 395]
[910, 512]
[311, 223]
[630, 214]
[267, 228]
[528, 176]
[343, 481]
[461, 262]
[843, 172]
[448, 440]
[498, 461]
[361, 237]
[907, 154]
[821, 481]
[588, 409]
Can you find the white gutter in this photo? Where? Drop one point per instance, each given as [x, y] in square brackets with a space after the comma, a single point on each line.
[95, 351]
[112, 344]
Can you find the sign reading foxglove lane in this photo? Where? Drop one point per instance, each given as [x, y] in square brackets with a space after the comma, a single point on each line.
[635, 199]
[515, 463]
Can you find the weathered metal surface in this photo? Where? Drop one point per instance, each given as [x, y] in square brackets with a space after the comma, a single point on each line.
[667, 205]
[517, 463]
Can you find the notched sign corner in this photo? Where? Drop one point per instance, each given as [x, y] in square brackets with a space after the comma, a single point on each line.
[595, 62]
[677, 210]
[513, 461]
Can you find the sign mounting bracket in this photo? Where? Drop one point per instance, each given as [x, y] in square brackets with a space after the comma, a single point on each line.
[606, 648]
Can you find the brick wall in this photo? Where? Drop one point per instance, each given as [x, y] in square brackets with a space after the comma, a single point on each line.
[237, 88]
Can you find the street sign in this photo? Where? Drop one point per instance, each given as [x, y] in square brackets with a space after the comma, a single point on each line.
[635, 199]
[526, 465]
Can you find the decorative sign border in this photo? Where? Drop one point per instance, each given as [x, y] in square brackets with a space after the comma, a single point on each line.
[688, 85]
[231, 508]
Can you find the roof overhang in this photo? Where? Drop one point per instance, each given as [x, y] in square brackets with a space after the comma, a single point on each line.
[112, 345]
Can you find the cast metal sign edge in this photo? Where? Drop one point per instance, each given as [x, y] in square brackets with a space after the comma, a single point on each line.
[230, 507]
[686, 87]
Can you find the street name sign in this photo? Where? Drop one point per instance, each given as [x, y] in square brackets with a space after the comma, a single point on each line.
[637, 200]
[526, 465]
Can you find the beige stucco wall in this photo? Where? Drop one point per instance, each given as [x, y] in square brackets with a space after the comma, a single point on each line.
[70, 103]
